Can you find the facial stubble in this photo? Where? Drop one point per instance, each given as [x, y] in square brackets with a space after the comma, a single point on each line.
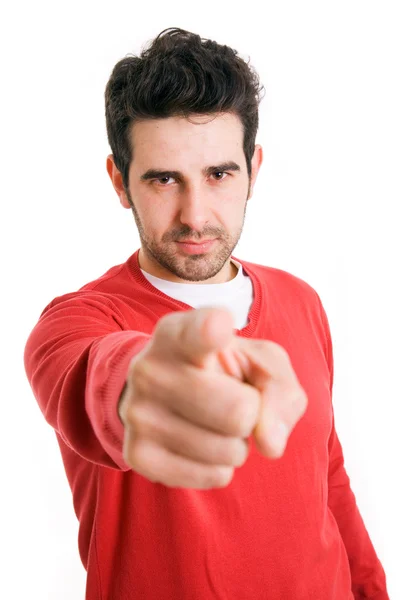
[197, 267]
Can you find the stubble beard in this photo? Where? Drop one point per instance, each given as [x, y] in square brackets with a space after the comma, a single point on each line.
[196, 267]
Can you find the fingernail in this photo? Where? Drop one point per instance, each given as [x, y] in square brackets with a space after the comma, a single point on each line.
[278, 437]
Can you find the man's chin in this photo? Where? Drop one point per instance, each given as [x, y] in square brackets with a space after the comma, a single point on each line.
[200, 269]
[188, 267]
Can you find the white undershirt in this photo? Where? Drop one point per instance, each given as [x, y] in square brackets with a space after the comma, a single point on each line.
[236, 294]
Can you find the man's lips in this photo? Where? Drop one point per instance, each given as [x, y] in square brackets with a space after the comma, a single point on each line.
[196, 247]
[196, 242]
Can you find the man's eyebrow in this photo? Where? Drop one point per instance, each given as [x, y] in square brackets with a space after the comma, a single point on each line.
[159, 174]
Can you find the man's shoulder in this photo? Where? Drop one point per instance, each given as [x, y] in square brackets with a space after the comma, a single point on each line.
[110, 281]
[108, 289]
[278, 277]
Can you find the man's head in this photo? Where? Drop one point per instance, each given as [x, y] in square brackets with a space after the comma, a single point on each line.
[181, 122]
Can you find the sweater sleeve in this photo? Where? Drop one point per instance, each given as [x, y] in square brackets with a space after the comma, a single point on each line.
[368, 576]
[76, 359]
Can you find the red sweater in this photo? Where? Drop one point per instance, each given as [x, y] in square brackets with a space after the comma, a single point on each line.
[281, 530]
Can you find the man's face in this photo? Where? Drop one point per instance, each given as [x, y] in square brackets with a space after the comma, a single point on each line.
[188, 181]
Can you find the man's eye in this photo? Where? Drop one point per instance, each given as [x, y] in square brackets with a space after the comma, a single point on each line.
[220, 173]
[163, 180]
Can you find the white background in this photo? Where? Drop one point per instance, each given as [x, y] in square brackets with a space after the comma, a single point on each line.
[325, 208]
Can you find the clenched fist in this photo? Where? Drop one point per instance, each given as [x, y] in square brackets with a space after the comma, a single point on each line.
[197, 391]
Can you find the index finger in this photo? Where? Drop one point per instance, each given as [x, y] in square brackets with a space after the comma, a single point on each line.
[196, 334]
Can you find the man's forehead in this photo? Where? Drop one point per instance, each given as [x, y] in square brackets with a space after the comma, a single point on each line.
[192, 124]
[158, 140]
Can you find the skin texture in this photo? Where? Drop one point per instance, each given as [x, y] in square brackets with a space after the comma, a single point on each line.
[196, 392]
[187, 417]
[194, 206]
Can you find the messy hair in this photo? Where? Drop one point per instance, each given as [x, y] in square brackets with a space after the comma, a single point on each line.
[179, 74]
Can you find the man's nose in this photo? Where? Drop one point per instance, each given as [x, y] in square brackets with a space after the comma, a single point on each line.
[194, 210]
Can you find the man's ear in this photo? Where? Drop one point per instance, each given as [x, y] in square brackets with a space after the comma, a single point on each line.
[256, 163]
[116, 180]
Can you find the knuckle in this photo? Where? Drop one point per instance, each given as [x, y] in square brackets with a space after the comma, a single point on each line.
[298, 401]
[137, 373]
[239, 453]
[274, 354]
[278, 350]
[147, 422]
[141, 420]
[143, 376]
[140, 461]
[242, 418]
[132, 454]
[132, 414]
[230, 452]
[222, 476]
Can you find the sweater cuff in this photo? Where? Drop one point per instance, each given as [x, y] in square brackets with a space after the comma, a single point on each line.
[107, 376]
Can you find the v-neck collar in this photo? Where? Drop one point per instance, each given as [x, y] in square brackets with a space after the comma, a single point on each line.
[253, 317]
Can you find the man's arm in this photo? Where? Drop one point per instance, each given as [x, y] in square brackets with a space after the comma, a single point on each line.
[368, 576]
[76, 360]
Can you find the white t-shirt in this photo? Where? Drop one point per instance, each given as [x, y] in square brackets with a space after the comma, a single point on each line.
[235, 295]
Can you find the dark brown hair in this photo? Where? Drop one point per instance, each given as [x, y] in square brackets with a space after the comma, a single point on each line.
[179, 74]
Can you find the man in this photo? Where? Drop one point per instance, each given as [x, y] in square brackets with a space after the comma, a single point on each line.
[190, 391]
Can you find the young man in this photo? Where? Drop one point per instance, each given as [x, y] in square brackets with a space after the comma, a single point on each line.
[199, 443]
